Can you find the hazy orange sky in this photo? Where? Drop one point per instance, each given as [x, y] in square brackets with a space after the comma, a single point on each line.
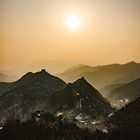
[34, 35]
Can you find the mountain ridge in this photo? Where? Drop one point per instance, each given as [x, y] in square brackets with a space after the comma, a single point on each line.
[100, 76]
[43, 91]
[27, 94]
[85, 99]
[129, 91]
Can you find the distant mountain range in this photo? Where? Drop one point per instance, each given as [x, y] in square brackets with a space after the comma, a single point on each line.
[7, 76]
[3, 76]
[43, 91]
[130, 91]
[107, 89]
[101, 76]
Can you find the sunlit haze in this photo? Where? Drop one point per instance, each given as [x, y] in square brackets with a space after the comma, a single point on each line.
[57, 34]
[73, 21]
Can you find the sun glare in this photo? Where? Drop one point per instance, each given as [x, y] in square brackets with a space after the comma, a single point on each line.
[73, 22]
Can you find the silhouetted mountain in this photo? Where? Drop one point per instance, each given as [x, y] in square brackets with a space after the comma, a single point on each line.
[123, 124]
[4, 86]
[43, 91]
[127, 117]
[130, 91]
[29, 93]
[100, 76]
[81, 99]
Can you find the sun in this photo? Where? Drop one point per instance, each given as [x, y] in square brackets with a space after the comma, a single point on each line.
[73, 22]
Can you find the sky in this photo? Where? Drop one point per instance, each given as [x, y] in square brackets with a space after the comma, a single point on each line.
[34, 34]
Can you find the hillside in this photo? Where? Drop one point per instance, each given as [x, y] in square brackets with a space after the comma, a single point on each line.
[127, 117]
[43, 91]
[130, 91]
[81, 99]
[27, 94]
[124, 123]
[107, 89]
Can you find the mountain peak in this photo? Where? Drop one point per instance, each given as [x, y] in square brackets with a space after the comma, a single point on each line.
[31, 75]
[41, 73]
[132, 62]
[27, 76]
[82, 80]
[41, 76]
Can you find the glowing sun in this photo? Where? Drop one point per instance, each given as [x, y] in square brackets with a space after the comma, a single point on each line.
[73, 22]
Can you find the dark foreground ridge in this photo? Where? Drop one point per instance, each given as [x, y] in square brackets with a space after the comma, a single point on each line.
[44, 126]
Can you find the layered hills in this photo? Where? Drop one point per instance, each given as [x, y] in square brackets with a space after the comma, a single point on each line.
[43, 91]
[130, 91]
[101, 76]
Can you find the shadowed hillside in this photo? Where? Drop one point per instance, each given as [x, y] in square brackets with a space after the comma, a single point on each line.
[20, 98]
[125, 123]
[82, 99]
[130, 91]
[43, 91]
